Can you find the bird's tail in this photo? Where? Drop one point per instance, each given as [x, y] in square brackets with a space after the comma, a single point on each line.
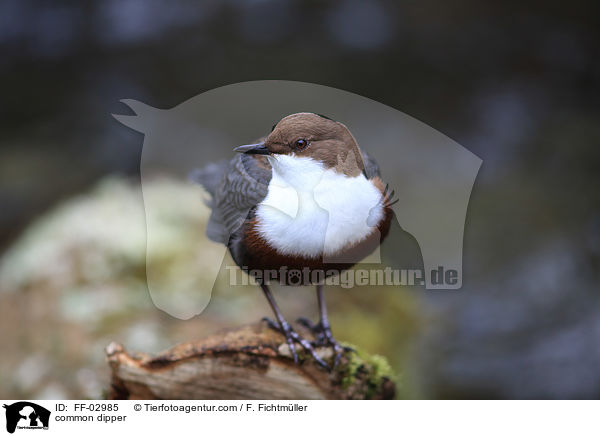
[210, 176]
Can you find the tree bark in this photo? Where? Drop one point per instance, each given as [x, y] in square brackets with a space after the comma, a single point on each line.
[249, 362]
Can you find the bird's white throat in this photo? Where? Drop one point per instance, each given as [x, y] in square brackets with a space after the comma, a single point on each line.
[311, 210]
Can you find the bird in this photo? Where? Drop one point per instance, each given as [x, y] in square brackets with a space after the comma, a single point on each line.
[304, 197]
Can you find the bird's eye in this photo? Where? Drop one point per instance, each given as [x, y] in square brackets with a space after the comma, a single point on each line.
[301, 144]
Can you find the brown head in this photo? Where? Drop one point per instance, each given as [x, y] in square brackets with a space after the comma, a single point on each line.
[314, 136]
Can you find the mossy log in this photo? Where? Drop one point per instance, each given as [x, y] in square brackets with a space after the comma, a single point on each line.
[250, 362]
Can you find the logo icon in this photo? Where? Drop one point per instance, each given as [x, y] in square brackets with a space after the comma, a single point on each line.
[26, 415]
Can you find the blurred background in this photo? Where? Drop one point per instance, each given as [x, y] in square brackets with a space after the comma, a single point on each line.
[515, 84]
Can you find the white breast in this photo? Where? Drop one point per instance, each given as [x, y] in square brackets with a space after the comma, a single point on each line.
[312, 211]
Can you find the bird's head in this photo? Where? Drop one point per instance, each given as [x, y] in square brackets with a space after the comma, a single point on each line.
[306, 136]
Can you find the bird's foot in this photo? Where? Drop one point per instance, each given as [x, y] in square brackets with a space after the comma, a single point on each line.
[324, 338]
[291, 337]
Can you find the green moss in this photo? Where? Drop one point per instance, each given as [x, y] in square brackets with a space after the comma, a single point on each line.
[350, 369]
[360, 364]
[380, 368]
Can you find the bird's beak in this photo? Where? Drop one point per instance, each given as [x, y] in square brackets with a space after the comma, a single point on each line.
[259, 148]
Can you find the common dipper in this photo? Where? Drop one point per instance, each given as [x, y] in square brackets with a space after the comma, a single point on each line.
[305, 198]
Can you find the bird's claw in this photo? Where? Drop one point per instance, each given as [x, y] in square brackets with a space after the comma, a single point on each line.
[338, 350]
[324, 338]
[291, 336]
[307, 323]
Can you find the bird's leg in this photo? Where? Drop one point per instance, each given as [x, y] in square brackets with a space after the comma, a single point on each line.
[326, 327]
[322, 330]
[283, 327]
[282, 324]
[316, 330]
